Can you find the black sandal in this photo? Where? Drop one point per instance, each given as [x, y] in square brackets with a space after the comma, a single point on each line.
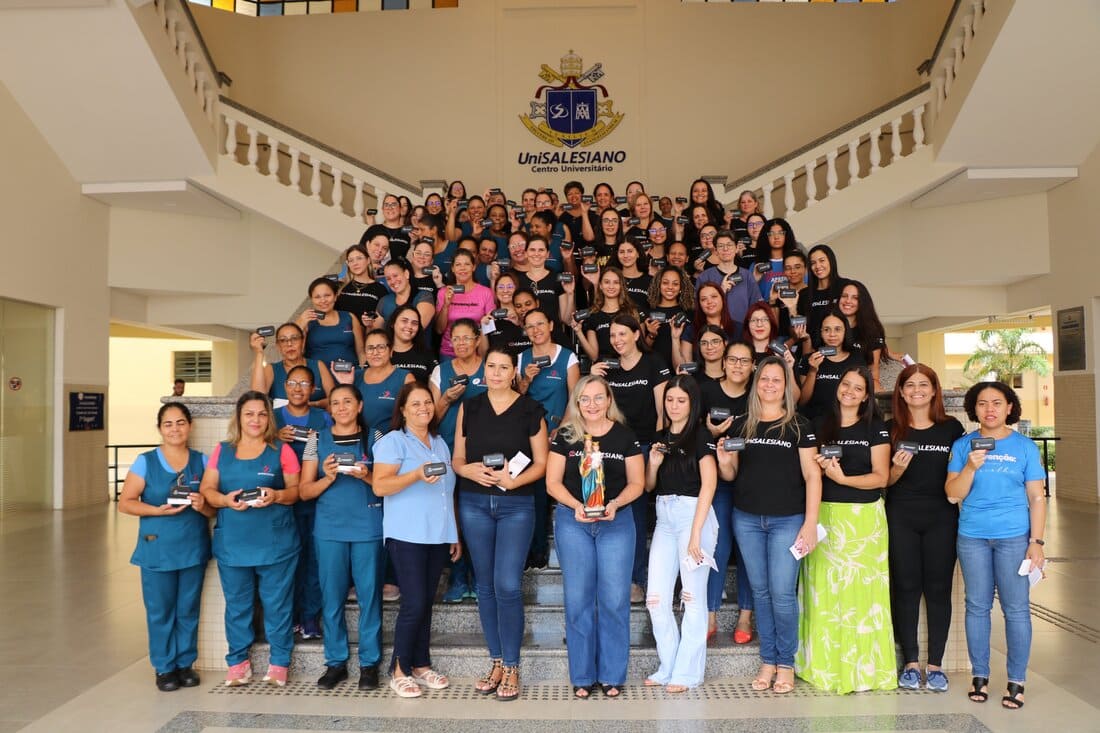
[976, 693]
[609, 689]
[1011, 701]
[587, 691]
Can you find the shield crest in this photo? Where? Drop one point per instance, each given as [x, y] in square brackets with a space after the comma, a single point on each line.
[571, 112]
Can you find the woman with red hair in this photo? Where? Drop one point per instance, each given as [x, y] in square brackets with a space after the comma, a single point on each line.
[923, 524]
[710, 310]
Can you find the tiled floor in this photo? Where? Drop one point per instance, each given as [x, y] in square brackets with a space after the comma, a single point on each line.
[72, 658]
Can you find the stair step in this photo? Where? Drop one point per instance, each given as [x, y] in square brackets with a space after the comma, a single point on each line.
[544, 657]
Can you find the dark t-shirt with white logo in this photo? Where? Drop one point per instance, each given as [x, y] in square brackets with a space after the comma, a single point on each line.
[769, 478]
[926, 475]
[857, 441]
[616, 445]
[633, 390]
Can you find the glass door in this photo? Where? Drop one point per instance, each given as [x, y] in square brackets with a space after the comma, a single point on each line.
[26, 405]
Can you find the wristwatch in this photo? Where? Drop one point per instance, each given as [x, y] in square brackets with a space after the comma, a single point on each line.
[1037, 541]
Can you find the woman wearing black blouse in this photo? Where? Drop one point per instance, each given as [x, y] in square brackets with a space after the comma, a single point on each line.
[408, 344]
[730, 393]
[682, 473]
[595, 462]
[670, 293]
[821, 294]
[923, 523]
[775, 507]
[497, 510]
[638, 382]
[822, 373]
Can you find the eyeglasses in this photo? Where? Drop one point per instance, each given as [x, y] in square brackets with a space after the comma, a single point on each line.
[610, 221]
[506, 286]
[390, 205]
[777, 234]
[596, 400]
[725, 245]
[536, 325]
[658, 230]
[706, 235]
[463, 339]
[754, 225]
[759, 322]
[303, 383]
[708, 343]
[739, 360]
[376, 347]
[288, 339]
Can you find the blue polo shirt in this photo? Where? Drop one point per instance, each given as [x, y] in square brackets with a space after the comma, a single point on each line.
[422, 513]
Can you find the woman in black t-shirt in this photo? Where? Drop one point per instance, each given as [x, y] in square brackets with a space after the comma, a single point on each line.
[923, 524]
[820, 295]
[635, 266]
[822, 373]
[408, 342]
[775, 507]
[500, 453]
[595, 462]
[730, 394]
[868, 337]
[670, 293]
[610, 301]
[845, 585]
[682, 473]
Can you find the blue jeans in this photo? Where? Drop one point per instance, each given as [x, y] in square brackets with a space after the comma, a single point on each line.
[989, 564]
[682, 652]
[773, 573]
[497, 530]
[727, 545]
[341, 563]
[595, 563]
[640, 508]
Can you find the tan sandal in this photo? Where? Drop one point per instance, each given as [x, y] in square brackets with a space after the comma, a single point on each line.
[764, 678]
[782, 687]
[489, 683]
[508, 689]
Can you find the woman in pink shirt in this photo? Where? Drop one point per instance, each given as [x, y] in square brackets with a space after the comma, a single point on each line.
[464, 299]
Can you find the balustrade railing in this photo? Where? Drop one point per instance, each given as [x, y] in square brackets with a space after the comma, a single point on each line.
[953, 47]
[187, 43]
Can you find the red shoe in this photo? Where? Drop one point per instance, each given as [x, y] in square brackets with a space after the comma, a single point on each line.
[711, 633]
[741, 637]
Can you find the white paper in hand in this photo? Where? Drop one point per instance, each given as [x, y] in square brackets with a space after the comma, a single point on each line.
[517, 463]
[488, 328]
[1033, 576]
[796, 548]
[688, 563]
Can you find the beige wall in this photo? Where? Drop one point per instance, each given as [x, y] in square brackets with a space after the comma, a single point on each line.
[55, 254]
[705, 89]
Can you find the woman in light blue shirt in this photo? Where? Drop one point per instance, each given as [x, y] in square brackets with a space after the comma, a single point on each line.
[419, 529]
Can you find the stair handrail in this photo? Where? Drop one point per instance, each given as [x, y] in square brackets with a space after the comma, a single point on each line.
[951, 50]
[867, 129]
[323, 160]
[190, 49]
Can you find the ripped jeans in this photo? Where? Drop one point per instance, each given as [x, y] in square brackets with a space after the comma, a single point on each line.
[682, 652]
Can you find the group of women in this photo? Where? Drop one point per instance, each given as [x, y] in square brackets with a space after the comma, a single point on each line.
[479, 357]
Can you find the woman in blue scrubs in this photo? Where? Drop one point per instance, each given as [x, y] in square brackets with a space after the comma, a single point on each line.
[347, 536]
[330, 334]
[173, 546]
[255, 540]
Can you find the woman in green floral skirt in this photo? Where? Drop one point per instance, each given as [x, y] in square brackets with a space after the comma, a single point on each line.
[845, 636]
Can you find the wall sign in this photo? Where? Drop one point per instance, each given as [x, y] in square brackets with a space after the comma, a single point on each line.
[1071, 339]
[571, 110]
[85, 411]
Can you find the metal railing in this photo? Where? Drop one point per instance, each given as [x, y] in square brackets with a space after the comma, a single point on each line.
[114, 480]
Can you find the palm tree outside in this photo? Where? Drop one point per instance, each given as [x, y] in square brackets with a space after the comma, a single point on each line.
[1004, 354]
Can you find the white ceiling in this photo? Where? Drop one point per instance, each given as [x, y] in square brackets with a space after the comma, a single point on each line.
[173, 197]
[87, 78]
[1035, 101]
[983, 184]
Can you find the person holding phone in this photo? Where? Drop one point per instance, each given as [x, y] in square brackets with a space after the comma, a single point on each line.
[295, 422]
[503, 330]
[670, 306]
[595, 470]
[331, 335]
[611, 301]
[271, 378]
[414, 477]
[923, 524]
[996, 475]
[845, 583]
[555, 298]
[500, 458]
[775, 509]
[711, 346]
[682, 473]
[361, 290]
[464, 299]
[731, 395]
[736, 283]
[634, 264]
[822, 368]
[821, 294]
[252, 482]
[409, 351]
[347, 536]
[173, 545]
[867, 332]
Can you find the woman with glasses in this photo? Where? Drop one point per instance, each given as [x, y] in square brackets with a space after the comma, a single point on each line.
[754, 227]
[497, 509]
[379, 383]
[821, 373]
[505, 333]
[433, 204]
[759, 329]
[730, 394]
[271, 378]
[594, 471]
[393, 221]
[846, 639]
[776, 242]
[703, 255]
[775, 507]
[173, 546]
[609, 237]
[634, 264]
[420, 258]
[670, 305]
[331, 335]
[711, 347]
[290, 419]
[642, 210]
[453, 382]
